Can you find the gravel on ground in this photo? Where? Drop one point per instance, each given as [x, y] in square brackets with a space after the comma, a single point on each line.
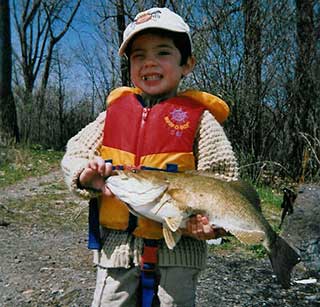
[44, 261]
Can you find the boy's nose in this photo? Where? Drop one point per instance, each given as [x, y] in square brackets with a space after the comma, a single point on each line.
[149, 61]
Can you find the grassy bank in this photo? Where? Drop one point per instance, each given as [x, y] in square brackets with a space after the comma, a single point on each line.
[18, 163]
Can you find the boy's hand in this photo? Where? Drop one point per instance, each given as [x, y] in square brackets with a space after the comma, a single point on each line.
[198, 227]
[93, 176]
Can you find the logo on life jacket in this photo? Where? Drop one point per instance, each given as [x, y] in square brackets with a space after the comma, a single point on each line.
[177, 121]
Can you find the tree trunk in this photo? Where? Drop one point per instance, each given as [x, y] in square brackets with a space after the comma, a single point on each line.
[8, 117]
[302, 107]
[161, 3]
[125, 76]
[252, 73]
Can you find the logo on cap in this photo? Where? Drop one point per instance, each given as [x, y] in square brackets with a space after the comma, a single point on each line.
[146, 16]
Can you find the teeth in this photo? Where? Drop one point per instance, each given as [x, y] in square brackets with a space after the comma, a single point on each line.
[153, 77]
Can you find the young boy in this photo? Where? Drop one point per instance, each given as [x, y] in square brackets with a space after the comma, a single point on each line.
[151, 126]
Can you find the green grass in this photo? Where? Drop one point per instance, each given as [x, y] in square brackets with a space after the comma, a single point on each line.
[52, 208]
[271, 205]
[269, 196]
[18, 163]
[232, 245]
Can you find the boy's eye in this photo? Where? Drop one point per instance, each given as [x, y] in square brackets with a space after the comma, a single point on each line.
[137, 56]
[164, 52]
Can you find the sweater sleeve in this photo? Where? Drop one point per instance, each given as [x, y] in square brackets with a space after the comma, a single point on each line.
[80, 150]
[214, 152]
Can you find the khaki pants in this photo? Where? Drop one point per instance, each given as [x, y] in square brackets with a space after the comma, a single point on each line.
[118, 287]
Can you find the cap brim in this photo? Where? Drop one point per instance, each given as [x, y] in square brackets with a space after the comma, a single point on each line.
[125, 43]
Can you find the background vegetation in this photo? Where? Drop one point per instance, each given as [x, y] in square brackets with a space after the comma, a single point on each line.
[260, 56]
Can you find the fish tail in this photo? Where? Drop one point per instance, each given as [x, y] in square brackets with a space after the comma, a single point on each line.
[283, 258]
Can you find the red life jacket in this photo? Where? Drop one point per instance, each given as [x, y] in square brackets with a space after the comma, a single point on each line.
[155, 137]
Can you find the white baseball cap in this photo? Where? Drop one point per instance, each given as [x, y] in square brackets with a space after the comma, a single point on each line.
[160, 18]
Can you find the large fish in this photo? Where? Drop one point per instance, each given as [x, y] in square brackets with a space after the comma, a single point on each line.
[171, 198]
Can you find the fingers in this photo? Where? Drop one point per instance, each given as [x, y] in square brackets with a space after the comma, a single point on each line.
[93, 176]
[108, 169]
[98, 165]
[105, 191]
[197, 222]
[199, 227]
[203, 219]
[194, 226]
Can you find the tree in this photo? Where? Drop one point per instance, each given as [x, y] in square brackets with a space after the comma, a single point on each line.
[252, 73]
[8, 117]
[40, 25]
[303, 90]
[121, 27]
[36, 29]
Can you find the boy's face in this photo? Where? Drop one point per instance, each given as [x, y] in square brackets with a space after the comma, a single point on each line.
[155, 65]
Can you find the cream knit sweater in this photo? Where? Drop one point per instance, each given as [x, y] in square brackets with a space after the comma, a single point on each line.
[120, 249]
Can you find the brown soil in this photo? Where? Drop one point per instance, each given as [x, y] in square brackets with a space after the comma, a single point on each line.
[44, 260]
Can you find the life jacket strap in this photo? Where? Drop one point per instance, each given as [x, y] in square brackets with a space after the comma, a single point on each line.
[94, 240]
[132, 223]
[170, 167]
[148, 280]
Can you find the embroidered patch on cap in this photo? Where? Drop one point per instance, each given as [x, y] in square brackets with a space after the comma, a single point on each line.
[146, 16]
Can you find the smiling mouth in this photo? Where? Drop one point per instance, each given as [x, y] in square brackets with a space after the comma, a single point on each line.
[151, 77]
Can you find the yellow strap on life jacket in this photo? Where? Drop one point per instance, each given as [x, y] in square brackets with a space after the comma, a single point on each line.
[217, 107]
[122, 91]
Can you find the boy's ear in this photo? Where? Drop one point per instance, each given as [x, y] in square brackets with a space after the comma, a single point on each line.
[188, 67]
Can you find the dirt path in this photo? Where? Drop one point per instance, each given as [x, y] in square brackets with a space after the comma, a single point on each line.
[43, 264]
[29, 187]
[44, 260]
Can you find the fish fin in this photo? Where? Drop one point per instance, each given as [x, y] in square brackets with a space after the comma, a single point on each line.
[173, 223]
[171, 238]
[283, 258]
[175, 200]
[179, 195]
